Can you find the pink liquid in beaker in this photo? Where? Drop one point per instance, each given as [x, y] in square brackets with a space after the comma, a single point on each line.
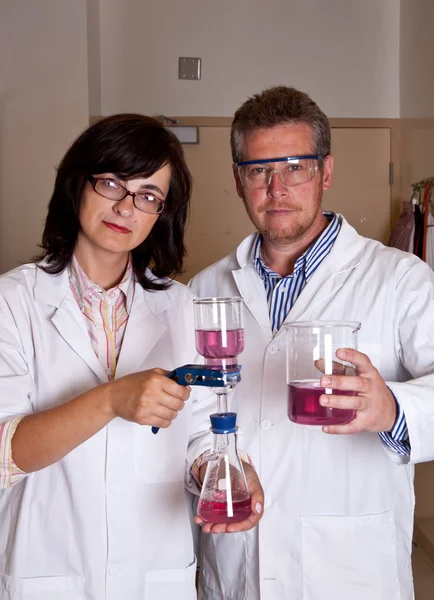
[220, 349]
[304, 406]
[217, 512]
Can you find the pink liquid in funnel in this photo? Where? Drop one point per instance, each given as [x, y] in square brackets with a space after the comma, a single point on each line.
[213, 511]
[220, 349]
[304, 406]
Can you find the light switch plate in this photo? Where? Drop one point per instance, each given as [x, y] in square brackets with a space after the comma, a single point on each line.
[189, 68]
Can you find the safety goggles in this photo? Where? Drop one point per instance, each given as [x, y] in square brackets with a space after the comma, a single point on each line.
[291, 170]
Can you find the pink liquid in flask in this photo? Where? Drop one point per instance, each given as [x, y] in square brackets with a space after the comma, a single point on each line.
[213, 511]
[304, 406]
[220, 349]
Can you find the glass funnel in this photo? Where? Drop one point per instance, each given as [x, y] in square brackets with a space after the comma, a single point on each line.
[219, 331]
[220, 337]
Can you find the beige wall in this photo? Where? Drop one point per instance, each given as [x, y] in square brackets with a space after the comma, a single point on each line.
[417, 137]
[345, 53]
[417, 111]
[94, 56]
[43, 105]
[417, 91]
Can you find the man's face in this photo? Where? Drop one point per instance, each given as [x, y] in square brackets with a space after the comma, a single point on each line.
[280, 212]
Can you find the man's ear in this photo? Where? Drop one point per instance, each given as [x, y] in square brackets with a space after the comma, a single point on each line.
[328, 172]
[237, 181]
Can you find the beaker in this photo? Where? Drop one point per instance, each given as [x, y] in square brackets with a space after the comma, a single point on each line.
[219, 331]
[311, 353]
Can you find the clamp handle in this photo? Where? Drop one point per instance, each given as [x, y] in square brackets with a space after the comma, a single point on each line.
[171, 375]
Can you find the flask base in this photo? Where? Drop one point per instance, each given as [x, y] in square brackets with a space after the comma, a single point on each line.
[217, 512]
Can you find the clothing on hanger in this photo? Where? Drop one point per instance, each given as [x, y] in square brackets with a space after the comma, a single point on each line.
[402, 232]
[414, 230]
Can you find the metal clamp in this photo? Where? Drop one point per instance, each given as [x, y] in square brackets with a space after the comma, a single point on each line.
[202, 375]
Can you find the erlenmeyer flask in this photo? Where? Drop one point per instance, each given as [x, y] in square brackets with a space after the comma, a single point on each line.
[225, 497]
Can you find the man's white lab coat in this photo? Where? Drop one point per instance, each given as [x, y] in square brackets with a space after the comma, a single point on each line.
[338, 516]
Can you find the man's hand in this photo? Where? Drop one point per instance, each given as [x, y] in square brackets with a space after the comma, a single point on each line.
[374, 402]
[257, 506]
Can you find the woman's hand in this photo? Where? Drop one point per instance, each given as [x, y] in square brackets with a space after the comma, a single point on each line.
[147, 398]
[257, 507]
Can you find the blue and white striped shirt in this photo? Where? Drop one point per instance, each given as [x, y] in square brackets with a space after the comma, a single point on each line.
[282, 293]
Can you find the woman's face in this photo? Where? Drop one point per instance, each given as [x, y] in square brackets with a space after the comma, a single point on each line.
[118, 226]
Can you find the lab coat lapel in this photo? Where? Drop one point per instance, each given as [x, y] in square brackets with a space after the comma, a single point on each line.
[331, 275]
[143, 330]
[250, 286]
[67, 317]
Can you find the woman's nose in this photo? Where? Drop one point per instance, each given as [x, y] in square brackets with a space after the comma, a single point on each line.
[124, 207]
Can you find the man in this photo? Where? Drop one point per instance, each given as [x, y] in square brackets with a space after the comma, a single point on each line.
[339, 499]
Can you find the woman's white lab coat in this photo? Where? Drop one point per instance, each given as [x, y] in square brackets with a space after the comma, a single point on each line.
[109, 521]
[338, 516]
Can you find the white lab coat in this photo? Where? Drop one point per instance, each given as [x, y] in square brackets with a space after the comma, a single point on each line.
[109, 521]
[339, 509]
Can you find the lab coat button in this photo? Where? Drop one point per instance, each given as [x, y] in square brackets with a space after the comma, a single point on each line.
[114, 570]
[266, 424]
[115, 487]
[273, 349]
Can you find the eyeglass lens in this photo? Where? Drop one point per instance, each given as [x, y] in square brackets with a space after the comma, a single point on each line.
[292, 172]
[145, 201]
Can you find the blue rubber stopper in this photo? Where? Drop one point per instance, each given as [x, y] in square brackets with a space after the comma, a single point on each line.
[223, 422]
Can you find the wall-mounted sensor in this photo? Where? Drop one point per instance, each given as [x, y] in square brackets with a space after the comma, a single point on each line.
[186, 135]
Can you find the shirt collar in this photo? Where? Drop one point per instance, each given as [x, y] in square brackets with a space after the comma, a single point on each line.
[83, 287]
[306, 261]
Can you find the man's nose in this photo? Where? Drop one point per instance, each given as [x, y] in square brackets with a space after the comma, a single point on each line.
[276, 187]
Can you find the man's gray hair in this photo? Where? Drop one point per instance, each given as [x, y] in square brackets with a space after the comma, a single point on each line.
[277, 106]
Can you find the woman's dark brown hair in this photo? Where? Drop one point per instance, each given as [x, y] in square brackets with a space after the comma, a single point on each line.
[129, 146]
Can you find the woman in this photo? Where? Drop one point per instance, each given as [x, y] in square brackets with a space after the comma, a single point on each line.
[92, 503]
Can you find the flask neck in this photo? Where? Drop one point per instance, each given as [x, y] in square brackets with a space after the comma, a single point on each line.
[224, 442]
